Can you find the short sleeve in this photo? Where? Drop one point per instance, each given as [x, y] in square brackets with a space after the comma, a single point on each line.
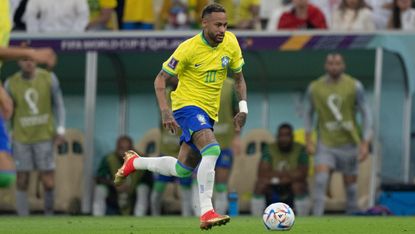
[237, 61]
[176, 62]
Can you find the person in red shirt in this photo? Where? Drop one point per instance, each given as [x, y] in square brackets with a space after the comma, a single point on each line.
[303, 15]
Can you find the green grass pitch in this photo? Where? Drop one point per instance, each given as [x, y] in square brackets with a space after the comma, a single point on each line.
[179, 225]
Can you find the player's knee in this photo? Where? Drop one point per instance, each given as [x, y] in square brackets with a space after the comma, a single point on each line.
[211, 150]
[221, 188]
[7, 179]
[183, 170]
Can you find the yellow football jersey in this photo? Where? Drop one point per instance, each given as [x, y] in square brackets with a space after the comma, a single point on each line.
[5, 24]
[201, 70]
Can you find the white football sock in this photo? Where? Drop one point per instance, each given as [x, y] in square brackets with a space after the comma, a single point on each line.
[165, 165]
[206, 180]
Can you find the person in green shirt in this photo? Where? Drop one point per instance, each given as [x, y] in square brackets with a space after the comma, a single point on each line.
[109, 199]
[282, 174]
[337, 97]
[38, 121]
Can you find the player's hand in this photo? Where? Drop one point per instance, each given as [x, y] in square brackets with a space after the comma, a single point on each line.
[169, 122]
[311, 148]
[363, 151]
[44, 56]
[239, 121]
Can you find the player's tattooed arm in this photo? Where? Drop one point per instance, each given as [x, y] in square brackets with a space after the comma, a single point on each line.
[240, 87]
[166, 113]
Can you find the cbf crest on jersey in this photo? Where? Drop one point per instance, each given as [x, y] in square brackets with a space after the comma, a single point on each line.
[225, 61]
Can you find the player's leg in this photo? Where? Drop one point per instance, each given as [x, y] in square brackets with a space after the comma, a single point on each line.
[222, 173]
[23, 157]
[205, 141]
[186, 195]
[258, 199]
[324, 162]
[348, 165]
[157, 193]
[143, 194]
[45, 163]
[99, 205]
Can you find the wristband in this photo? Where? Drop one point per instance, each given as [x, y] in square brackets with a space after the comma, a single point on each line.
[243, 106]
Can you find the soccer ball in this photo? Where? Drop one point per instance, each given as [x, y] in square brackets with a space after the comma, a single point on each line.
[278, 217]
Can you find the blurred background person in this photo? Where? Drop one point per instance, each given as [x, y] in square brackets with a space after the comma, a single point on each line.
[403, 15]
[336, 98]
[353, 15]
[327, 7]
[174, 14]
[56, 16]
[38, 105]
[109, 199]
[102, 15]
[275, 15]
[282, 174]
[242, 14]
[382, 11]
[138, 15]
[302, 15]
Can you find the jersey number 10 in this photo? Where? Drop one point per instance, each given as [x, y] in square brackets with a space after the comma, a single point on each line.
[210, 76]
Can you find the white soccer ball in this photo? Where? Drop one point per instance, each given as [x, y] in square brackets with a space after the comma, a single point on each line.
[278, 217]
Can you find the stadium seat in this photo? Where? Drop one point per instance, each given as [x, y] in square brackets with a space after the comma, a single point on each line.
[245, 167]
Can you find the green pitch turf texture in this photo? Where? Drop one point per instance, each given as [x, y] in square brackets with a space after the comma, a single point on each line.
[179, 225]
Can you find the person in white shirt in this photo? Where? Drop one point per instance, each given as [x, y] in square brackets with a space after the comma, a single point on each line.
[327, 7]
[381, 12]
[403, 16]
[353, 15]
[57, 16]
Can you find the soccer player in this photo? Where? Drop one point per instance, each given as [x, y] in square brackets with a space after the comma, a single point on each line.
[336, 97]
[44, 56]
[201, 65]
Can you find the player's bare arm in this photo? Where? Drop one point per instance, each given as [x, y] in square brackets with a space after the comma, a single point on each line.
[240, 88]
[165, 111]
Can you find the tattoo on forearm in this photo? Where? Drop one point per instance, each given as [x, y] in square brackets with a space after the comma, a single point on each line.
[166, 115]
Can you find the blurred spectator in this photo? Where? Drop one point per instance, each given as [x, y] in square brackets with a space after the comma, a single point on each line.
[57, 16]
[195, 12]
[18, 8]
[282, 174]
[403, 16]
[102, 15]
[175, 15]
[382, 11]
[109, 199]
[38, 104]
[328, 7]
[337, 97]
[242, 14]
[276, 15]
[303, 15]
[138, 15]
[353, 15]
[267, 8]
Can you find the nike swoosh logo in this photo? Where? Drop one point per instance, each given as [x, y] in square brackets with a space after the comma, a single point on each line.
[198, 64]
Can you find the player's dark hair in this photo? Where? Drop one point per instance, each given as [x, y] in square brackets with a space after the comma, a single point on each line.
[209, 9]
[286, 126]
